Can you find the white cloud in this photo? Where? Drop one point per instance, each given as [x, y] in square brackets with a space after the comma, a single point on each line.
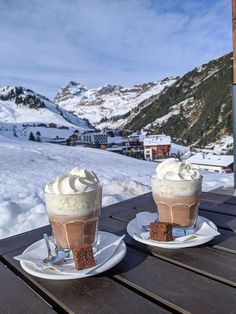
[46, 44]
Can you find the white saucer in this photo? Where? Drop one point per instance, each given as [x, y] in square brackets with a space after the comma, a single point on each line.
[134, 231]
[75, 274]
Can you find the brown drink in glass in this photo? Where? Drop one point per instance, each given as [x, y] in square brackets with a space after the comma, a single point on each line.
[74, 217]
[177, 200]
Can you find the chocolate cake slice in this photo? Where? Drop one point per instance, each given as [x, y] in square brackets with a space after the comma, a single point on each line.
[161, 231]
[83, 257]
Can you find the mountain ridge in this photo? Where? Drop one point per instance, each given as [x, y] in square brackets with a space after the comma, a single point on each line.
[22, 112]
[199, 105]
[109, 105]
[194, 109]
[28, 98]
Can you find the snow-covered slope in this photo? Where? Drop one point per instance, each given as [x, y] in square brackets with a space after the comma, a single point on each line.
[26, 166]
[196, 110]
[22, 110]
[110, 105]
[21, 105]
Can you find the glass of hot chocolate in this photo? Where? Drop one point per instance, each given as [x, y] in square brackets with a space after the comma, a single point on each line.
[73, 203]
[176, 189]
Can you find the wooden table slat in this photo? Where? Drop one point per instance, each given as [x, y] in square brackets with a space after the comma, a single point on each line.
[214, 263]
[231, 200]
[222, 208]
[16, 297]
[124, 205]
[227, 222]
[197, 280]
[210, 196]
[98, 294]
[22, 239]
[182, 288]
[226, 241]
[222, 221]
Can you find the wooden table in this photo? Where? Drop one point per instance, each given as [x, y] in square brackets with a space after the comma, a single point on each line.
[148, 280]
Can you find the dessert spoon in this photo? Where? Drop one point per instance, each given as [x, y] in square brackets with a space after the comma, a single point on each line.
[52, 259]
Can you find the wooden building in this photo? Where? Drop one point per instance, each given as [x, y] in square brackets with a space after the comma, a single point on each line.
[72, 140]
[156, 147]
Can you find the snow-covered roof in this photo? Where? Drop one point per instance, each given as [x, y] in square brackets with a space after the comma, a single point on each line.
[210, 159]
[161, 139]
[137, 134]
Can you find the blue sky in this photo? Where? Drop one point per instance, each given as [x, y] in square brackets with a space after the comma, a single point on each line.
[46, 44]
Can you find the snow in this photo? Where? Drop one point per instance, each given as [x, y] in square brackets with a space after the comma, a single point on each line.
[178, 149]
[210, 159]
[223, 145]
[186, 104]
[160, 139]
[107, 101]
[20, 119]
[10, 112]
[47, 134]
[25, 168]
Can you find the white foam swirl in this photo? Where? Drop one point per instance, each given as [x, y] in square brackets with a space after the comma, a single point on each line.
[173, 169]
[77, 193]
[76, 181]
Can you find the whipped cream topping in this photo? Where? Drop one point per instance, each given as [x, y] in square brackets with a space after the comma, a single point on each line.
[77, 193]
[76, 181]
[173, 169]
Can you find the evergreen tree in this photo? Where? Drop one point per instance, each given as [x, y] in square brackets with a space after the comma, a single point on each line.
[31, 137]
[38, 136]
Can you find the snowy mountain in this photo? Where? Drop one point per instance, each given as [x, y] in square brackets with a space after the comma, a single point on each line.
[27, 166]
[195, 110]
[110, 105]
[23, 111]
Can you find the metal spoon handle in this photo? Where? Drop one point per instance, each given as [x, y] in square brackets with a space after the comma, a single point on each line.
[47, 243]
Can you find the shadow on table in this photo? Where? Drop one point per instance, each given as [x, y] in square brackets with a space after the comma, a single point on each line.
[226, 239]
[132, 259]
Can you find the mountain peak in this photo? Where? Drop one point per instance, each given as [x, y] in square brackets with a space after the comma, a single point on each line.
[76, 84]
[72, 89]
[109, 105]
[15, 102]
[108, 89]
[22, 96]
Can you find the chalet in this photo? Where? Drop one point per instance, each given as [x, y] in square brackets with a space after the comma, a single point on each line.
[156, 146]
[211, 162]
[73, 139]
